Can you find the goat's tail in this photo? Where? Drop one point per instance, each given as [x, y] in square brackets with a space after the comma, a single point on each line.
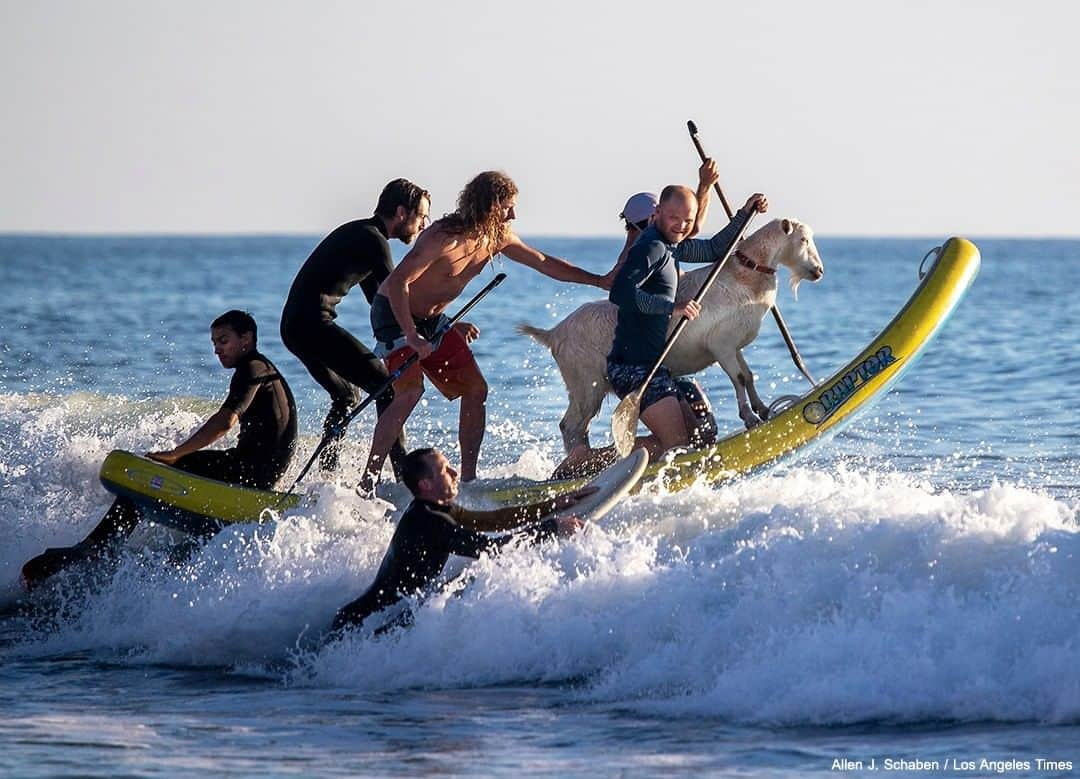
[538, 333]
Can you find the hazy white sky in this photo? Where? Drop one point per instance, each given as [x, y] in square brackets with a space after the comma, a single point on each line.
[921, 118]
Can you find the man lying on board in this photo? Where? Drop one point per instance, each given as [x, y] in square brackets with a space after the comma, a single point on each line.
[433, 527]
[259, 400]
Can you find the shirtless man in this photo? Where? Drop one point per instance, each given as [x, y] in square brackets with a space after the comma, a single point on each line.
[408, 310]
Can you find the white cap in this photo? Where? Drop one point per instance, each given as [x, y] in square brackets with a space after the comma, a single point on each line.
[638, 207]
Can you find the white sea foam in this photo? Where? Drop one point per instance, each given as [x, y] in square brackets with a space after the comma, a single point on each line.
[798, 596]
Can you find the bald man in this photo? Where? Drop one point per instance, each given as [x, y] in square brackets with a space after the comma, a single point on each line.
[644, 290]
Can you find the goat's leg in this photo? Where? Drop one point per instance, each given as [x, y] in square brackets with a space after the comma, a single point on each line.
[740, 381]
[760, 407]
[581, 459]
[585, 402]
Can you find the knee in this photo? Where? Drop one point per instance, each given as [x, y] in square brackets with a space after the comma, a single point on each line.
[408, 396]
[476, 391]
[340, 406]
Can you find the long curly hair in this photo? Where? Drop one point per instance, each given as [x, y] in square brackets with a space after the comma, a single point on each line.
[480, 207]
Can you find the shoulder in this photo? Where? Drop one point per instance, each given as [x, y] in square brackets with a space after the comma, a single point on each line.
[422, 513]
[649, 248]
[511, 239]
[254, 367]
[245, 372]
[260, 365]
[434, 242]
[360, 232]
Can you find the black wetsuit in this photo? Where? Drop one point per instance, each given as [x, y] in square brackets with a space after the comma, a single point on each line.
[260, 396]
[357, 253]
[427, 534]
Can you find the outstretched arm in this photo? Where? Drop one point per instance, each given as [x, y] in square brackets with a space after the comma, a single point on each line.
[511, 517]
[712, 249]
[556, 268]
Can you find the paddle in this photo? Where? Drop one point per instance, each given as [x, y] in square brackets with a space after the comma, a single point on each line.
[624, 420]
[334, 431]
[795, 356]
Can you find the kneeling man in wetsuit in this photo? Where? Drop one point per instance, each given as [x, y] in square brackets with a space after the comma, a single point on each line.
[259, 400]
[433, 527]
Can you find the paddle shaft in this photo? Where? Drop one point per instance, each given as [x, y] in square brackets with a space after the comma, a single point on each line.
[397, 374]
[780, 323]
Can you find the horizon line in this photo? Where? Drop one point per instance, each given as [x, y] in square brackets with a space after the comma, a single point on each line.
[570, 236]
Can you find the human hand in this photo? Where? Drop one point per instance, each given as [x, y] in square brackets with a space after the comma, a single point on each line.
[169, 458]
[757, 202]
[708, 174]
[468, 330]
[421, 346]
[690, 309]
[608, 279]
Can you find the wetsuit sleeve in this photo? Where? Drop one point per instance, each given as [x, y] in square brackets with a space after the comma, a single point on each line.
[242, 388]
[377, 254]
[463, 541]
[496, 520]
[712, 249]
[245, 383]
[468, 543]
[641, 263]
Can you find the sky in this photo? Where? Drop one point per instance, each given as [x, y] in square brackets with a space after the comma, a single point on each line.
[860, 118]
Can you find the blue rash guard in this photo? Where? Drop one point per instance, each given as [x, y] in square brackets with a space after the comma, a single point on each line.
[646, 285]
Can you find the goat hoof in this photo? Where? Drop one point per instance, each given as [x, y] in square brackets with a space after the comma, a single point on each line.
[751, 420]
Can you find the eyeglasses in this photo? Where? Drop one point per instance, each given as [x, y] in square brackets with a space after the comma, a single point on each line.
[637, 225]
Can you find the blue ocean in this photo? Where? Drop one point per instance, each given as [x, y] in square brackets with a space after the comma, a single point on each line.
[901, 599]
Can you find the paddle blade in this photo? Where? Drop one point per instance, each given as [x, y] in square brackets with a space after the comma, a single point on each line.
[624, 423]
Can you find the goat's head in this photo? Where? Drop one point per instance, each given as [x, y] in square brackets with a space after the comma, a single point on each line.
[798, 253]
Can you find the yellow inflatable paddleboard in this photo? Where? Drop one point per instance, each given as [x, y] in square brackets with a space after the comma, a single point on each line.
[183, 500]
[828, 406]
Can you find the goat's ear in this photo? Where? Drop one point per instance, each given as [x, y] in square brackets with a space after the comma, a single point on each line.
[786, 226]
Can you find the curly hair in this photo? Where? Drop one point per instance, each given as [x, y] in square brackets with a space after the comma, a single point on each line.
[480, 206]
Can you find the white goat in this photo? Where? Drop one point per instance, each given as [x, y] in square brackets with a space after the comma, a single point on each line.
[730, 318]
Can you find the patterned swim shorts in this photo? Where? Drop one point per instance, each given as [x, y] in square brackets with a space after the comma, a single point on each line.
[627, 378]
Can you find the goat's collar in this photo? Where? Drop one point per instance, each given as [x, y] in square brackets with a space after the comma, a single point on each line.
[748, 263]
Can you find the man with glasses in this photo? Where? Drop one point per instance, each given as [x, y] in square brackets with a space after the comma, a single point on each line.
[357, 252]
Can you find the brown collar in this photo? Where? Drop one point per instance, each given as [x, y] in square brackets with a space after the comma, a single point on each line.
[747, 262]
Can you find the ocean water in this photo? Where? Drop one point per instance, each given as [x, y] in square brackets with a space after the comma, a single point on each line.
[907, 592]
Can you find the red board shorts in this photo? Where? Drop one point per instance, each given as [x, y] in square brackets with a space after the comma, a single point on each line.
[449, 368]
